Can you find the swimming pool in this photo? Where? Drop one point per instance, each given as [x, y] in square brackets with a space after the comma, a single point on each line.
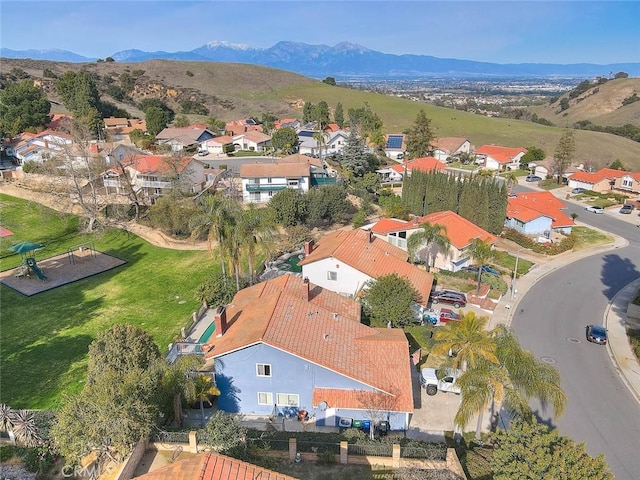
[291, 265]
[204, 338]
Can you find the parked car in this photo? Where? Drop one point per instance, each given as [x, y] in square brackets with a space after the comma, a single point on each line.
[597, 334]
[447, 315]
[485, 269]
[578, 190]
[595, 209]
[533, 178]
[446, 383]
[627, 209]
[457, 299]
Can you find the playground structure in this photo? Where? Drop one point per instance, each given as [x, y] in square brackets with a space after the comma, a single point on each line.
[84, 250]
[28, 267]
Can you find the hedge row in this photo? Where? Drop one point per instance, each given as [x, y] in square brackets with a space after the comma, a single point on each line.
[567, 243]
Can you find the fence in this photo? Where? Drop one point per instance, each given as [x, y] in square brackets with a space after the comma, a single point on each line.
[430, 452]
[171, 437]
[380, 450]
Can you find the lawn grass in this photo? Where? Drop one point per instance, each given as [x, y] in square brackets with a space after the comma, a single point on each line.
[588, 237]
[549, 184]
[45, 337]
[508, 262]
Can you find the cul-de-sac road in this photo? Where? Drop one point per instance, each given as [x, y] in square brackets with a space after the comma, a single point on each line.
[550, 321]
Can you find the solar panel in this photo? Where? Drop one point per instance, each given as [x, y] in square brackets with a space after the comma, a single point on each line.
[306, 133]
[394, 141]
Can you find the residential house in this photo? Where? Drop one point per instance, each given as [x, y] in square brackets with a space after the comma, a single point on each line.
[336, 142]
[307, 144]
[287, 122]
[183, 138]
[332, 127]
[60, 123]
[447, 147]
[252, 140]
[500, 158]
[286, 345]
[604, 180]
[152, 176]
[216, 145]
[546, 169]
[395, 173]
[261, 181]
[344, 261]
[394, 146]
[460, 232]
[119, 153]
[537, 213]
[212, 466]
[236, 127]
[29, 147]
[119, 128]
[628, 183]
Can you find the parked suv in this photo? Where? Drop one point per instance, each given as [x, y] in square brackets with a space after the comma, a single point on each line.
[627, 209]
[451, 297]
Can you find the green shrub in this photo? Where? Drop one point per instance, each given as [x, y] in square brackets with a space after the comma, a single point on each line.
[7, 451]
[38, 459]
[188, 73]
[520, 238]
[495, 282]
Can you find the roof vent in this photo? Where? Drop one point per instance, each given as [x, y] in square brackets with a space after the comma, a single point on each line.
[325, 336]
[335, 315]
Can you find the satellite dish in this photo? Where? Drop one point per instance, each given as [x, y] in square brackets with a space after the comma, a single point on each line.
[322, 406]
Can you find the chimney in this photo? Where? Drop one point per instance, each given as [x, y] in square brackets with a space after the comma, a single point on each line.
[305, 291]
[371, 236]
[308, 247]
[220, 319]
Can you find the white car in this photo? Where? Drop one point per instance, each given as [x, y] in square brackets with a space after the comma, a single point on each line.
[595, 209]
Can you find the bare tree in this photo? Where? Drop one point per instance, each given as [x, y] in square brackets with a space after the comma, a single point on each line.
[378, 405]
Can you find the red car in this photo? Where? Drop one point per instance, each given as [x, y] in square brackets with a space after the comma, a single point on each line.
[447, 315]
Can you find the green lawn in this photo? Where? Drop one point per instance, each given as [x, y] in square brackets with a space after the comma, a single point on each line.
[508, 262]
[587, 237]
[45, 337]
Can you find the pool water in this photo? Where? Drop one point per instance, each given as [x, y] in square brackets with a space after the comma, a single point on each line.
[291, 265]
[204, 338]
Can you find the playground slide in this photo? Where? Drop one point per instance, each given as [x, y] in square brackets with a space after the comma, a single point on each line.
[35, 269]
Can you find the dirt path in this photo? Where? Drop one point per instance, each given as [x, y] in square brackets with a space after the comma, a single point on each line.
[62, 204]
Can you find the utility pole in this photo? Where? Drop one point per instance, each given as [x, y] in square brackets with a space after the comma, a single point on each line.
[515, 273]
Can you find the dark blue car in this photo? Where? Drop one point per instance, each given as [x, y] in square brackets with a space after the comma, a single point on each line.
[597, 334]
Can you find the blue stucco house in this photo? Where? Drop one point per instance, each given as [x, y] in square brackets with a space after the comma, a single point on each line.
[286, 345]
[537, 213]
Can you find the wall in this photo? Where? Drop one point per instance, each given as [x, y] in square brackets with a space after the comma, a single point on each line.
[349, 281]
[239, 383]
[128, 467]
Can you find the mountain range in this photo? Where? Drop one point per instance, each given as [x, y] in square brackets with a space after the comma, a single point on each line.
[342, 60]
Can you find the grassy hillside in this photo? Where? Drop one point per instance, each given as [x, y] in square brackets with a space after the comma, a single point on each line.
[601, 104]
[232, 91]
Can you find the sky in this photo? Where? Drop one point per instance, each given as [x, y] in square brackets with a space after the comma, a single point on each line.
[600, 32]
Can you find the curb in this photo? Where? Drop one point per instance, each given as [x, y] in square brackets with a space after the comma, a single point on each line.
[550, 267]
[633, 386]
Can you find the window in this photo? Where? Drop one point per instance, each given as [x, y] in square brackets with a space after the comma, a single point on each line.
[269, 180]
[289, 399]
[265, 398]
[263, 369]
[627, 183]
[332, 276]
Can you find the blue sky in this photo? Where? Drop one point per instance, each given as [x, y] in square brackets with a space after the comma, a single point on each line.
[502, 32]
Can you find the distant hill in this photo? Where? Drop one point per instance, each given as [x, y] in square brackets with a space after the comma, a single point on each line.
[344, 59]
[602, 104]
[232, 91]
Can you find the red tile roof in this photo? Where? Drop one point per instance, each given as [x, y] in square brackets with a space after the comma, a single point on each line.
[500, 154]
[426, 164]
[372, 256]
[300, 158]
[332, 127]
[595, 177]
[322, 327]
[448, 144]
[213, 466]
[460, 231]
[255, 136]
[146, 164]
[221, 140]
[529, 206]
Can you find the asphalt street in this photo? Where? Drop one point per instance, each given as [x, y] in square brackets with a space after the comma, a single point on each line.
[550, 321]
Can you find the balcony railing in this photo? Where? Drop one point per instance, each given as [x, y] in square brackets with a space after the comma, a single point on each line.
[184, 348]
[153, 184]
[321, 181]
[267, 187]
[112, 183]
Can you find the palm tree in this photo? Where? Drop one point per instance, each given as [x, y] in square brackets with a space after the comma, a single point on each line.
[257, 234]
[24, 428]
[481, 252]
[511, 178]
[321, 140]
[178, 384]
[511, 383]
[203, 389]
[467, 339]
[431, 237]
